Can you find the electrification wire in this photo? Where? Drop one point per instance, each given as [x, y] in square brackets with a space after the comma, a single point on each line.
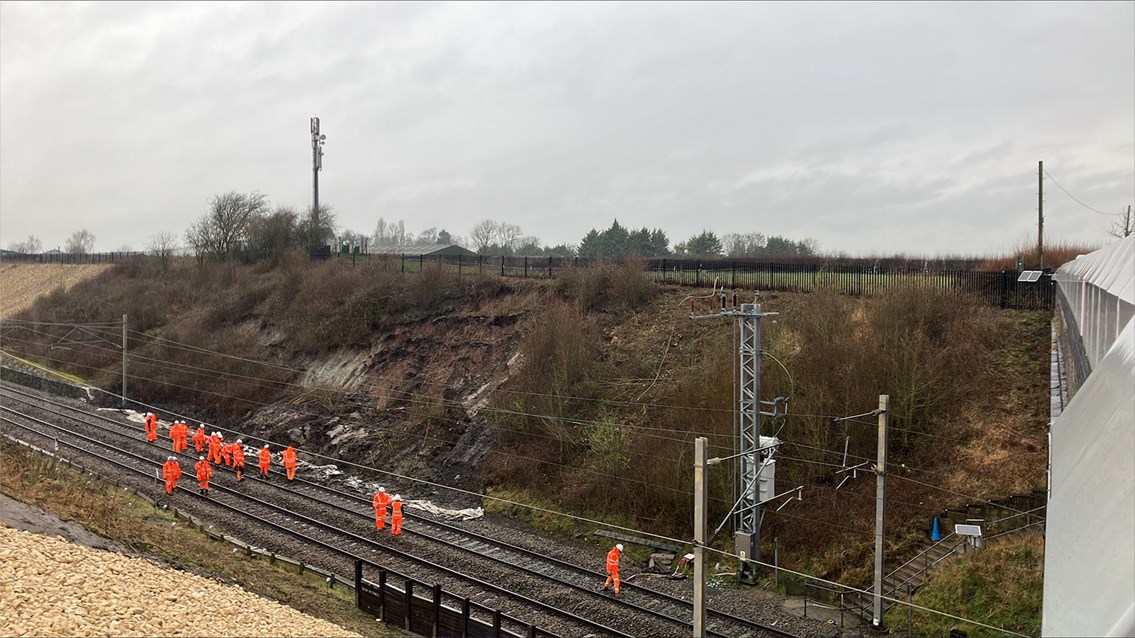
[477, 495]
[640, 430]
[425, 437]
[1094, 210]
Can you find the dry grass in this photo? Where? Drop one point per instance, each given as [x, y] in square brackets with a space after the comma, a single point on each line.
[22, 284]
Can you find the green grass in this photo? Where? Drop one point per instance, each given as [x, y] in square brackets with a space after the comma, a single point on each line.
[1001, 585]
[131, 521]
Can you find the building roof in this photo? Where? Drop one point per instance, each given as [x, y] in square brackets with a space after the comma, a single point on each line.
[419, 249]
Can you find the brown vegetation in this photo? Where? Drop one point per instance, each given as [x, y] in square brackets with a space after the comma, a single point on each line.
[612, 383]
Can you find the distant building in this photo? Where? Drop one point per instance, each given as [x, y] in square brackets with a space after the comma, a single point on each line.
[428, 250]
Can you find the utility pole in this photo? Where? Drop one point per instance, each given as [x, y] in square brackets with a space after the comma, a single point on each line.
[124, 360]
[748, 508]
[1040, 213]
[880, 508]
[700, 490]
[317, 141]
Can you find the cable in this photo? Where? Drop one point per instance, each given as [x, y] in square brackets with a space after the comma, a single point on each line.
[1094, 210]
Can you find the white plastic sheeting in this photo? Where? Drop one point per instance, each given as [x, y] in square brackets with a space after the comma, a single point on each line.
[1089, 566]
[1100, 290]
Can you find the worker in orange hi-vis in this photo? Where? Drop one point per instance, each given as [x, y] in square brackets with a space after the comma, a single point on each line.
[396, 515]
[180, 434]
[204, 473]
[199, 438]
[227, 454]
[381, 500]
[171, 471]
[173, 430]
[265, 458]
[613, 557]
[290, 462]
[238, 459]
[151, 426]
[216, 440]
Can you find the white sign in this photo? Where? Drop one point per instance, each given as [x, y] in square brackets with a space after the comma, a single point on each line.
[967, 530]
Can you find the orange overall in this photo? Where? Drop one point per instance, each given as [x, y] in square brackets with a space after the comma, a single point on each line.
[204, 473]
[381, 500]
[265, 461]
[151, 427]
[199, 439]
[179, 432]
[171, 471]
[238, 460]
[396, 517]
[290, 462]
[214, 449]
[613, 569]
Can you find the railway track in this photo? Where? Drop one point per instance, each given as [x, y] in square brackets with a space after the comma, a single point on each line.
[334, 527]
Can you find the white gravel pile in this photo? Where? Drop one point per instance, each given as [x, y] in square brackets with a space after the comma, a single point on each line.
[50, 587]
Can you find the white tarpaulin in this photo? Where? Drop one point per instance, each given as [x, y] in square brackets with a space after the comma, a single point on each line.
[1089, 562]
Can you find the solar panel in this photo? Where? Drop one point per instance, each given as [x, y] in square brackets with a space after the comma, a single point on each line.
[1030, 276]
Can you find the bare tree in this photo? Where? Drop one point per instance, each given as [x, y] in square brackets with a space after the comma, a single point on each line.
[1122, 227]
[380, 230]
[162, 246]
[224, 230]
[30, 246]
[318, 227]
[741, 244]
[80, 242]
[508, 236]
[483, 234]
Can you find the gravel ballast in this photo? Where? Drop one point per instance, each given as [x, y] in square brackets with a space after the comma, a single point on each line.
[52, 587]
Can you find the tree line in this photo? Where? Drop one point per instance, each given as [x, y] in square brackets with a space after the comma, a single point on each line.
[246, 227]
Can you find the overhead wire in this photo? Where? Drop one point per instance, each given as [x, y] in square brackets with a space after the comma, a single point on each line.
[1074, 198]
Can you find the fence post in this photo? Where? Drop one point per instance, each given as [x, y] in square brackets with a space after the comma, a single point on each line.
[497, 623]
[402, 261]
[459, 266]
[526, 266]
[382, 595]
[358, 584]
[437, 610]
[502, 265]
[465, 617]
[409, 603]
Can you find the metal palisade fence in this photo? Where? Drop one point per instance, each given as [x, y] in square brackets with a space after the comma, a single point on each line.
[999, 288]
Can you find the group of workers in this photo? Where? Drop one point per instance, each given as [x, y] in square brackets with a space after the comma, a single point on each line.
[230, 454]
[382, 500]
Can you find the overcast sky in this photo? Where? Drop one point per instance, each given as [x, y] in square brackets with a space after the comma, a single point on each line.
[873, 128]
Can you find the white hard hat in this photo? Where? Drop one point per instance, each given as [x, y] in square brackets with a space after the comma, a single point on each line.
[397, 497]
[265, 446]
[238, 440]
[619, 546]
[220, 436]
[382, 489]
[170, 458]
[200, 458]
